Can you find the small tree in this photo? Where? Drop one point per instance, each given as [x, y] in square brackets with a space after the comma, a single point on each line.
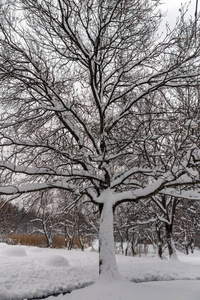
[47, 218]
[167, 207]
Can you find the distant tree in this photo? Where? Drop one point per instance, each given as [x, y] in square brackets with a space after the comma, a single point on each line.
[186, 225]
[87, 107]
[167, 205]
[8, 221]
[47, 216]
[130, 226]
[14, 219]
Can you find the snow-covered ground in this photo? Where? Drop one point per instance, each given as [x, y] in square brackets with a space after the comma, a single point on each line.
[31, 272]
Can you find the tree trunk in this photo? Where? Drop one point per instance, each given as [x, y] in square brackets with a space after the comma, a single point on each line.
[133, 244]
[170, 243]
[81, 243]
[122, 244]
[192, 246]
[49, 242]
[186, 244]
[158, 231]
[186, 249]
[160, 249]
[107, 262]
[126, 250]
[127, 243]
[69, 240]
[49, 238]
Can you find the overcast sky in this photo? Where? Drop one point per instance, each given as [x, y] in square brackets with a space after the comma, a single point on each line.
[172, 9]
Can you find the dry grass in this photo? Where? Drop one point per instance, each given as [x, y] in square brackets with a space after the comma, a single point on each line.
[29, 239]
[40, 240]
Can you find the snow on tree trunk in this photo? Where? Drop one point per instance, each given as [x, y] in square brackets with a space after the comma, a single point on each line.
[107, 261]
[49, 241]
[173, 254]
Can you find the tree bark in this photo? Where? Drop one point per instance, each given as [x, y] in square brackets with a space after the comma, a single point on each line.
[107, 261]
[159, 241]
[170, 243]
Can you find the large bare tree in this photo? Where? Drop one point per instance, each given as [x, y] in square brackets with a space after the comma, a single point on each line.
[86, 105]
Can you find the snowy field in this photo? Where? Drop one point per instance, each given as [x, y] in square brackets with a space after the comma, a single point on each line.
[31, 272]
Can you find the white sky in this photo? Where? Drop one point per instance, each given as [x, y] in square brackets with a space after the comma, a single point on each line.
[172, 8]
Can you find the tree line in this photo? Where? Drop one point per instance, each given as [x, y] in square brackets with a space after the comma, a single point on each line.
[134, 225]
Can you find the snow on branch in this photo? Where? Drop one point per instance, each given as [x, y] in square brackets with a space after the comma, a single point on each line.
[183, 194]
[48, 171]
[122, 177]
[11, 190]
